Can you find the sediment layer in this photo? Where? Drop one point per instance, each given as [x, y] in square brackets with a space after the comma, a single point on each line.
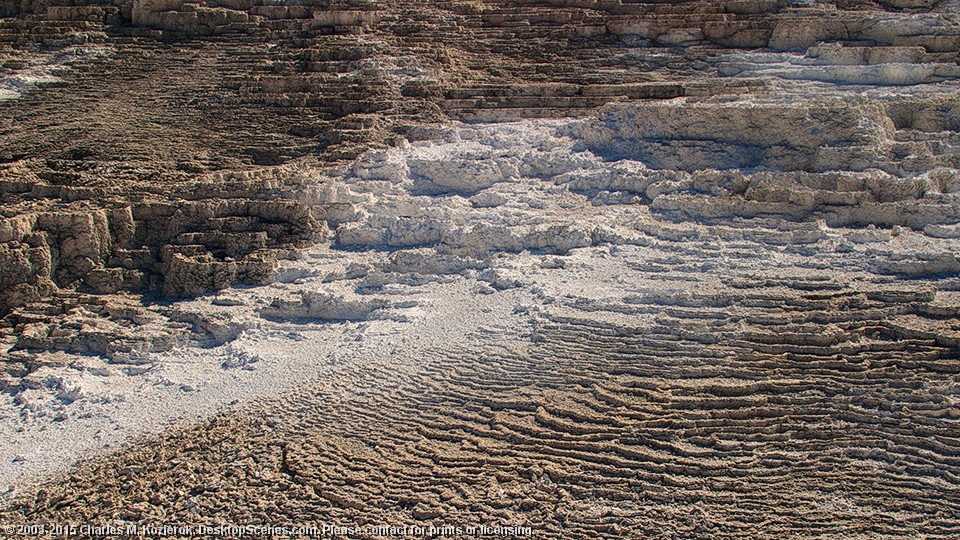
[601, 269]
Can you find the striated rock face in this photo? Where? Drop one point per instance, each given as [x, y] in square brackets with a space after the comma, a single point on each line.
[815, 137]
[179, 249]
[530, 346]
[603, 269]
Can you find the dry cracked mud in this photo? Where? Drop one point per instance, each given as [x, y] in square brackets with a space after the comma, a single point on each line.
[561, 269]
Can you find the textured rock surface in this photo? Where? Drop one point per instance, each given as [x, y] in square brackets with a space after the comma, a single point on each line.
[596, 268]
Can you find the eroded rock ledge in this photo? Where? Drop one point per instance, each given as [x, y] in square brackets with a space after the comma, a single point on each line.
[518, 329]
[236, 85]
[174, 184]
[697, 246]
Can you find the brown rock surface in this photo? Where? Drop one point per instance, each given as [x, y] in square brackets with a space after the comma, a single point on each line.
[603, 269]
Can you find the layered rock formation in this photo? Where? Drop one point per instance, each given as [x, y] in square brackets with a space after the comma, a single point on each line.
[597, 268]
[552, 349]
[330, 77]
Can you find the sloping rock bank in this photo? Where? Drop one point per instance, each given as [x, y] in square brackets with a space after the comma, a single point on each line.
[587, 269]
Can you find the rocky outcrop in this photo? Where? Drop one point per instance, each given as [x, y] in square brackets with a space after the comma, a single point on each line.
[601, 268]
[156, 192]
[690, 136]
[324, 307]
[177, 249]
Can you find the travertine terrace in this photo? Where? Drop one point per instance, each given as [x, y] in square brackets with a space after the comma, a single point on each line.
[573, 269]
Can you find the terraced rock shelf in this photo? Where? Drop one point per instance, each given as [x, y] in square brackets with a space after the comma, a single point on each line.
[563, 269]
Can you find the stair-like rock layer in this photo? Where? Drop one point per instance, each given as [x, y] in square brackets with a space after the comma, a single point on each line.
[690, 417]
[752, 324]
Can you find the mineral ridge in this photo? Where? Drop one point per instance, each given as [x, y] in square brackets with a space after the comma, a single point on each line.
[562, 268]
